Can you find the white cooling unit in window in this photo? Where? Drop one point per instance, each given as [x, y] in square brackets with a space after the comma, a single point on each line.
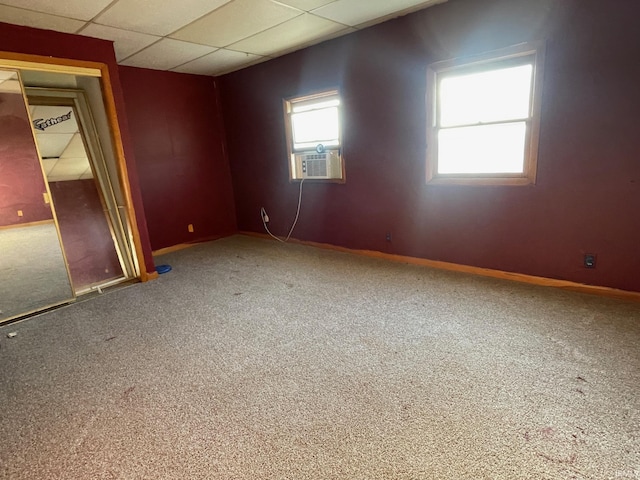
[326, 165]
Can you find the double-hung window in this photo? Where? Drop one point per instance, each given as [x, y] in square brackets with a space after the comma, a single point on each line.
[313, 131]
[484, 117]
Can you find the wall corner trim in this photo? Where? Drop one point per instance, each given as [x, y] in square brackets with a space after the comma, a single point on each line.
[150, 276]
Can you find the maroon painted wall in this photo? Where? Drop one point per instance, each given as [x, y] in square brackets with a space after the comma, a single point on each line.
[177, 133]
[587, 195]
[33, 41]
[21, 180]
[86, 237]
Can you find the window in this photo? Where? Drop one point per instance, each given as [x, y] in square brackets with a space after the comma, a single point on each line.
[484, 117]
[313, 136]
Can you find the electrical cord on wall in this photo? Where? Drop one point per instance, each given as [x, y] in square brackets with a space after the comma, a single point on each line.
[265, 218]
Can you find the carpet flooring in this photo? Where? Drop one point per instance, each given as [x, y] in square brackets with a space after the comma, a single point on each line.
[34, 275]
[257, 360]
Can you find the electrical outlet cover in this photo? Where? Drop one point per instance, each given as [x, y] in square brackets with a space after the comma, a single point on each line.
[590, 260]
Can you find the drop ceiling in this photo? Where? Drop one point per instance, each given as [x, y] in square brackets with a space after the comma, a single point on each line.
[207, 37]
[60, 145]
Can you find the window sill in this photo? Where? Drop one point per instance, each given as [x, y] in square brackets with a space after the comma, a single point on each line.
[475, 180]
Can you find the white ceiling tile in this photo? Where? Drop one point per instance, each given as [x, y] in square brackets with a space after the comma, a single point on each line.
[356, 12]
[264, 28]
[220, 61]
[48, 164]
[157, 17]
[126, 42]
[306, 5]
[167, 54]
[235, 21]
[28, 18]
[295, 33]
[10, 86]
[87, 174]
[7, 74]
[75, 149]
[80, 9]
[52, 145]
[67, 169]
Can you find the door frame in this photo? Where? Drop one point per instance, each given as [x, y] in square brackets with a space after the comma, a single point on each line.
[100, 70]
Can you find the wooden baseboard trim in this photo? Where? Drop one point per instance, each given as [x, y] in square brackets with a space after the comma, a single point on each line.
[181, 246]
[151, 276]
[28, 224]
[485, 272]
[172, 248]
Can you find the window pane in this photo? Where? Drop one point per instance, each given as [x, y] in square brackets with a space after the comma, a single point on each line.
[483, 149]
[490, 96]
[305, 106]
[315, 126]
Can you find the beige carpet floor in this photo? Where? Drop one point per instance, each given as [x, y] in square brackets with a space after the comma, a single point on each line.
[33, 274]
[257, 360]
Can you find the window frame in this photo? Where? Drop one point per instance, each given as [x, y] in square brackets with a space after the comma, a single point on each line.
[515, 55]
[288, 104]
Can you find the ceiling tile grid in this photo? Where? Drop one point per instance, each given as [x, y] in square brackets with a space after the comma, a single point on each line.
[356, 12]
[166, 54]
[66, 169]
[126, 42]
[236, 20]
[156, 17]
[206, 37]
[75, 148]
[300, 30]
[52, 145]
[28, 18]
[220, 61]
[78, 9]
[306, 5]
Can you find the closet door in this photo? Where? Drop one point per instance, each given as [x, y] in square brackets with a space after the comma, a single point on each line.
[86, 227]
[33, 270]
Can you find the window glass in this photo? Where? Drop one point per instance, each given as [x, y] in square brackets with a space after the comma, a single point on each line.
[312, 127]
[490, 96]
[497, 148]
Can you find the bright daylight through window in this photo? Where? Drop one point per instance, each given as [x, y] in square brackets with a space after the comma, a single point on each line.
[484, 118]
[313, 136]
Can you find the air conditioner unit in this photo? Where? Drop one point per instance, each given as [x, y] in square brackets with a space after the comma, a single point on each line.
[326, 165]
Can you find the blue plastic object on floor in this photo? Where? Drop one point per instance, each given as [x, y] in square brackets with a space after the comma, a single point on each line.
[163, 269]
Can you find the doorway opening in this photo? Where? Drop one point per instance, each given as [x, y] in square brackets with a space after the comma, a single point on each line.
[64, 182]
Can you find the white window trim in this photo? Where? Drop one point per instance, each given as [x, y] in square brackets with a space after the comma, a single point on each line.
[528, 176]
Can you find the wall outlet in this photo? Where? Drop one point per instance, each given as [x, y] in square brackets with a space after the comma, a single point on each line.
[20, 214]
[190, 227]
[388, 236]
[589, 260]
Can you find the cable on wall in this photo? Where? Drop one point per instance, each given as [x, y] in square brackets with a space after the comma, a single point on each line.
[265, 218]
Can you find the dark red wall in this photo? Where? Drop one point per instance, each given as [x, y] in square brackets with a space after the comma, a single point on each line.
[21, 180]
[33, 41]
[86, 237]
[177, 132]
[587, 195]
